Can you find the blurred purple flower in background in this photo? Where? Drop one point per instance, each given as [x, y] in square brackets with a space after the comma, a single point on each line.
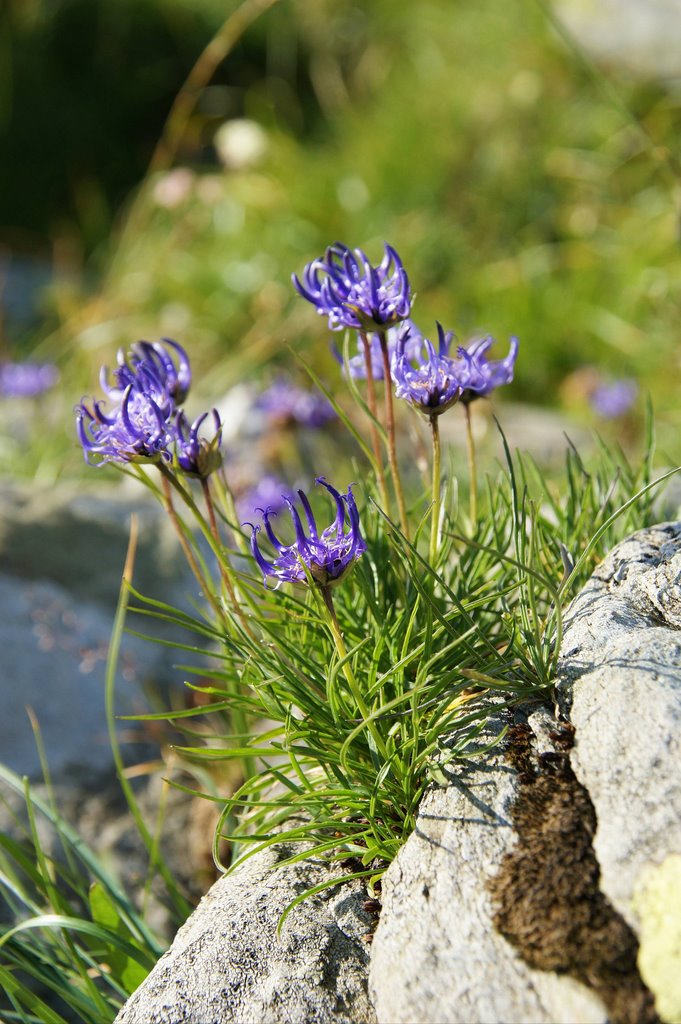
[356, 365]
[270, 492]
[344, 286]
[284, 403]
[26, 380]
[436, 382]
[325, 556]
[484, 375]
[615, 398]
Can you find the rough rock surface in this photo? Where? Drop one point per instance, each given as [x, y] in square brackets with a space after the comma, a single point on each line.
[620, 681]
[436, 956]
[227, 963]
[61, 558]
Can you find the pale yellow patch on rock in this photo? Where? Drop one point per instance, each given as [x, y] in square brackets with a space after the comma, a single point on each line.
[657, 903]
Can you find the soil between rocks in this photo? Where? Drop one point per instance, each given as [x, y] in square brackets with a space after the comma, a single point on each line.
[548, 901]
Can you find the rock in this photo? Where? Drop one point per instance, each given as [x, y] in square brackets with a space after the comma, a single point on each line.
[476, 867]
[227, 963]
[531, 429]
[620, 681]
[62, 555]
[77, 537]
[641, 37]
[436, 955]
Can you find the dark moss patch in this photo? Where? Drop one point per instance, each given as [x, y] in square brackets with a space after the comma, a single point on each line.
[547, 896]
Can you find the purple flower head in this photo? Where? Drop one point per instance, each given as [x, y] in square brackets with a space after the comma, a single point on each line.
[436, 382]
[325, 556]
[151, 366]
[347, 289]
[139, 426]
[195, 454]
[286, 404]
[135, 430]
[356, 365]
[26, 380]
[615, 398]
[484, 375]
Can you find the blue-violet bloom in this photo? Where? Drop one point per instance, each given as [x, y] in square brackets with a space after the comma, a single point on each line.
[151, 366]
[356, 365]
[194, 453]
[483, 374]
[325, 556]
[138, 426]
[436, 382]
[615, 398]
[270, 492]
[26, 380]
[285, 404]
[344, 286]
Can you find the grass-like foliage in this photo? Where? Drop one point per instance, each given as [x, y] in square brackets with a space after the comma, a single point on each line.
[336, 741]
[73, 946]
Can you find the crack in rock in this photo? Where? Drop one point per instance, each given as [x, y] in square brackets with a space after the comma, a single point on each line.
[548, 903]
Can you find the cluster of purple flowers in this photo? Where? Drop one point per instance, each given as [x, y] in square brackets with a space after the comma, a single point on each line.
[344, 287]
[141, 420]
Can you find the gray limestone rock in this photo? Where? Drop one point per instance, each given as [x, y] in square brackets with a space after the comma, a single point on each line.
[640, 37]
[227, 963]
[620, 681]
[436, 956]
[61, 559]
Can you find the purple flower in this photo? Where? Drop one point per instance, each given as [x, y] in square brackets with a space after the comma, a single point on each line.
[486, 374]
[284, 403]
[135, 430]
[270, 492]
[26, 380]
[151, 365]
[325, 556]
[356, 365]
[344, 287]
[436, 382]
[139, 425]
[195, 454]
[614, 399]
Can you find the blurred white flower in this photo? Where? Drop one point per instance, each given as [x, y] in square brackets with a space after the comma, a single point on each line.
[240, 143]
[173, 187]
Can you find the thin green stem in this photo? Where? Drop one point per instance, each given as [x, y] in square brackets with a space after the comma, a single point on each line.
[472, 468]
[437, 496]
[219, 47]
[371, 402]
[206, 589]
[335, 630]
[223, 563]
[390, 431]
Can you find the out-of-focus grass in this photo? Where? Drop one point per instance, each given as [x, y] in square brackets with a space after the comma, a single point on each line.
[520, 196]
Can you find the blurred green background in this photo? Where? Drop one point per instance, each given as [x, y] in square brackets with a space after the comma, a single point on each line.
[529, 189]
